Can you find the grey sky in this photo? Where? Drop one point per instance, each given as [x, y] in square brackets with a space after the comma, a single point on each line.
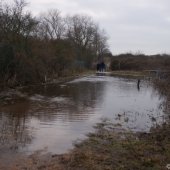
[131, 25]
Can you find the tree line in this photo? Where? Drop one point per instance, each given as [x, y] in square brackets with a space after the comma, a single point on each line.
[140, 62]
[48, 45]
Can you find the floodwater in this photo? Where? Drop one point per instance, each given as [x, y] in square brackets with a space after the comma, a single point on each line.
[52, 117]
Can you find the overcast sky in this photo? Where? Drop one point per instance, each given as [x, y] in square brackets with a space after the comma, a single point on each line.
[131, 25]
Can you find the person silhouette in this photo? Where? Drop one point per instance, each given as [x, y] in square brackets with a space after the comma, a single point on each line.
[138, 84]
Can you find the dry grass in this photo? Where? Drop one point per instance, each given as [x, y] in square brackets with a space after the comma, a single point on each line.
[130, 74]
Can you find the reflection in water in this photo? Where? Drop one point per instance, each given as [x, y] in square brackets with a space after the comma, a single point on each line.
[13, 126]
[56, 115]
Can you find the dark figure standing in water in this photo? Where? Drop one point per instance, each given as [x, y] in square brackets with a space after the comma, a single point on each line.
[98, 67]
[101, 67]
[138, 84]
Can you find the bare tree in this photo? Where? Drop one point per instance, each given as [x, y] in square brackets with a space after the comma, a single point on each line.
[87, 37]
[16, 24]
[52, 25]
[100, 46]
[80, 30]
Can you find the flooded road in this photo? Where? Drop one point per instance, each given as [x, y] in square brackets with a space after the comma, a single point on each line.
[52, 117]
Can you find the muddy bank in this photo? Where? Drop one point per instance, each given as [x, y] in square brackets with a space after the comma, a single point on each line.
[11, 95]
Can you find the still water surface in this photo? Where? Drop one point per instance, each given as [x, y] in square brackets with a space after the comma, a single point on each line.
[54, 116]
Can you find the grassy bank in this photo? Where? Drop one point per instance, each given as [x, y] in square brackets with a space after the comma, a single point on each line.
[107, 149]
[130, 74]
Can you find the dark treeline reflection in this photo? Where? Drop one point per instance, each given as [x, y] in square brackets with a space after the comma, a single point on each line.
[14, 131]
[68, 104]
